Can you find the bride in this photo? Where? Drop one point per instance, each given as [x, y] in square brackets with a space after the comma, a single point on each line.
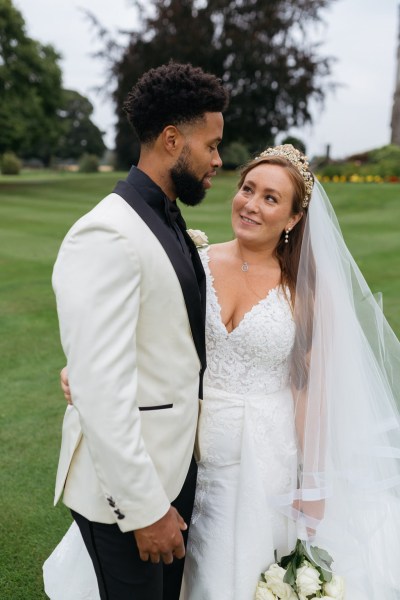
[299, 434]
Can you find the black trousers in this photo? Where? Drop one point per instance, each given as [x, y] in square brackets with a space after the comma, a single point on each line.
[121, 574]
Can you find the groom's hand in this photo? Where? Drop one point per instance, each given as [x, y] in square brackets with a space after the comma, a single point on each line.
[163, 539]
[65, 385]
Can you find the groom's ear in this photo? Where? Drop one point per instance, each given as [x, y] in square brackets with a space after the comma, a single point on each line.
[172, 140]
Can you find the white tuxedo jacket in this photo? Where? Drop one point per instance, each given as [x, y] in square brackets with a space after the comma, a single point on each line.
[134, 355]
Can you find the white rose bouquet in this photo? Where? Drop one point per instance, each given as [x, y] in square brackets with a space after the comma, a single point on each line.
[302, 575]
[198, 237]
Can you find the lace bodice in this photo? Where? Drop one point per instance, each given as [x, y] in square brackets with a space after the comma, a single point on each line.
[253, 358]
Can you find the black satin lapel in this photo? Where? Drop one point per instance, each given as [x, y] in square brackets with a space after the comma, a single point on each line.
[199, 270]
[191, 276]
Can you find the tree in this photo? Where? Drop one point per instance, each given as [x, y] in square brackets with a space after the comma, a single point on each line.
[30, 89]
[80, 135]
[260, 49]
[269, 64]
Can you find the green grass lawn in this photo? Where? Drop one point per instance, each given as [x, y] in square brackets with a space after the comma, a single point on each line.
[36, 210]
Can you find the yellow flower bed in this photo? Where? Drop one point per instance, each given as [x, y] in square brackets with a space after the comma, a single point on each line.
[355, 178]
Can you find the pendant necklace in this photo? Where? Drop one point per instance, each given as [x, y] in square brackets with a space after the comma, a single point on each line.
[245, 264]
[245, 267]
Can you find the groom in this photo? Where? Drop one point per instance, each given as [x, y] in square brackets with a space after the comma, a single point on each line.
[130, 293]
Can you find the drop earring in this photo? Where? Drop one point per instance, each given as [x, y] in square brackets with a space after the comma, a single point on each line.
[287, 231]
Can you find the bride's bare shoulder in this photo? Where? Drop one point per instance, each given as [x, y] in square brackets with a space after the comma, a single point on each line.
[221, 251]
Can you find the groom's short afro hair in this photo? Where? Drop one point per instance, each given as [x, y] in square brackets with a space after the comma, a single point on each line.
[172, 94]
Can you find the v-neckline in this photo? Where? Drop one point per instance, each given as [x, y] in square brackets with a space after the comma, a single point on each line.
[247, 313]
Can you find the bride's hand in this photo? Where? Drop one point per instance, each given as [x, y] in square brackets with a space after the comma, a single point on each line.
[310, 513]
[65, 385]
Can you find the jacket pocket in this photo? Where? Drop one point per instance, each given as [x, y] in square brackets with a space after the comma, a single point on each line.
[157, 407]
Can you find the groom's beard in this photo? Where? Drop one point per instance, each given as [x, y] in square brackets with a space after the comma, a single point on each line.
[189, 189]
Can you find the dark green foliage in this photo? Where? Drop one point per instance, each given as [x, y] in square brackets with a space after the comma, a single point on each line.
[89, 163]
[79, 134]
[234, 155]
[381, 162]
[30, 89]
[385, 161]
[10, 164]
[38, 119]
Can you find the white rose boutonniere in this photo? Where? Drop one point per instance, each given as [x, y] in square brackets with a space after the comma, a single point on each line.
[199, 238]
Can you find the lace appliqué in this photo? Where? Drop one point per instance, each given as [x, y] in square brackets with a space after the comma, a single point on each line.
[253, 358]
[202, 489]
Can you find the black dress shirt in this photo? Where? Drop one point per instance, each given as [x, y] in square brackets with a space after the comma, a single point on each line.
[166, 209]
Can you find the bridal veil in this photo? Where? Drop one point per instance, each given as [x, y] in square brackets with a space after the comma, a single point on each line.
[346, 384]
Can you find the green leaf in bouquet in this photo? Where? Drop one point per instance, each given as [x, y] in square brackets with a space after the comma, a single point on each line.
[324, 571]
[326, 575]
[285, 560]
[290, 575]
[322, 560]
[322, 555]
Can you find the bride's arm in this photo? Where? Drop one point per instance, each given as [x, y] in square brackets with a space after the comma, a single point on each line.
[313, 510]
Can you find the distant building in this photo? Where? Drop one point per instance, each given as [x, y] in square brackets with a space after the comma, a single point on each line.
[395, 123]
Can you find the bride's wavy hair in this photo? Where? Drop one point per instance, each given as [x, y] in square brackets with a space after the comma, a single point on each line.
[288, 254]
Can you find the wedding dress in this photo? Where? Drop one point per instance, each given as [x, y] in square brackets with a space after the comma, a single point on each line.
[246, 445]
[68, 573]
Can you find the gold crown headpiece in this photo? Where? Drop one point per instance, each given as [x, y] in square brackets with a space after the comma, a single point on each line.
[299, 161]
